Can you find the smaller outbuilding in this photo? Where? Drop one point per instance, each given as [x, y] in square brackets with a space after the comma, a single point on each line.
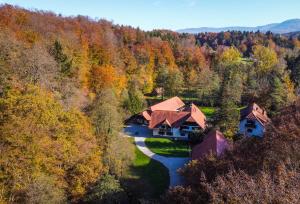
[253, 121]
[213, 143]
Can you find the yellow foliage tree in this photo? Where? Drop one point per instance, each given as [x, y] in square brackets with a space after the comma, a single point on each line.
[149, 74]
[265, 57]
[120, 84]
[290, 89]
[37, 138]
[84, 69]
[230, 56]
[192, 77]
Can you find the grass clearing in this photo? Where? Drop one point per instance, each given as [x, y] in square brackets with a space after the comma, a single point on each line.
[208, 111]
[167, 147]
[146, 178]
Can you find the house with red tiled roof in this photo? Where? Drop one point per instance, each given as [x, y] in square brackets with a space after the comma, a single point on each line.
[213, 143]
[172, 118]
[253, 121]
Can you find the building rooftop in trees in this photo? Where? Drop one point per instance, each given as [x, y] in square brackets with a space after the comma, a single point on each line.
[213, 143]
[173, 112]
[172, 104]
[254, 112]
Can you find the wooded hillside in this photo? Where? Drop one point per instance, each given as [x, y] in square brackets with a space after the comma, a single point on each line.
[68, 83]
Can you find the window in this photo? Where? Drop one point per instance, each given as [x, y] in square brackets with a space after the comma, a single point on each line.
[249, 130]
[183, 127]
[250, 124]
[170, 133]
[250, 121]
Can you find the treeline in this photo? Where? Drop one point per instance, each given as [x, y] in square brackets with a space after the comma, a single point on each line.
[246, 41]
[67, 84]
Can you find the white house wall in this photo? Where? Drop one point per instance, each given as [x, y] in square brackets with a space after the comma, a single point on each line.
[258, 131]
[176, 133]
[155, 131]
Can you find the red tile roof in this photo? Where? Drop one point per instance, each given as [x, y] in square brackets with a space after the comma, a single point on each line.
[146, 114]
[173, 118]
[254, 112]
[171, 104]
[176, 118]
[166, 122]
[214, 143]
[198, 116]
[173, 112]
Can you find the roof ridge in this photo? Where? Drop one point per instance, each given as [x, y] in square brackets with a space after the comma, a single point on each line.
[173, 103]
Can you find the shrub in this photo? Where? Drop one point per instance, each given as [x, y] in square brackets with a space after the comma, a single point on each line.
[107, 190]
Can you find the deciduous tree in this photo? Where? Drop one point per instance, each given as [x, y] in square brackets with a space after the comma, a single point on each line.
[38, 137]
[266, 59]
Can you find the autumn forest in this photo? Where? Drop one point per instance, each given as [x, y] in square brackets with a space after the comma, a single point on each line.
[67, 84]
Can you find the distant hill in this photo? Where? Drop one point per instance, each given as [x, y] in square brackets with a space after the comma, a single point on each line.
[293, 34]
[288, 26]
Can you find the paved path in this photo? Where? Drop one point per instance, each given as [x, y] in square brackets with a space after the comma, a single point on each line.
[172, 163]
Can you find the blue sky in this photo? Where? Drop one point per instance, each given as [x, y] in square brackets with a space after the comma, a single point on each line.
[173, 14]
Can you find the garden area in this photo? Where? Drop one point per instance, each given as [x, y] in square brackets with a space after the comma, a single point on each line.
[146, 178]
[168, 148]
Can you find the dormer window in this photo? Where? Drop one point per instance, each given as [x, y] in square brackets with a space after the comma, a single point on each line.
[250, 121]
[250, 124]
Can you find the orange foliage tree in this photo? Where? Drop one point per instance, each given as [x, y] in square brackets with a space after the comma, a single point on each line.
[106, 77]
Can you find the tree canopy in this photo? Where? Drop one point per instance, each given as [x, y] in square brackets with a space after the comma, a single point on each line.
[40, 140]
[68, 83]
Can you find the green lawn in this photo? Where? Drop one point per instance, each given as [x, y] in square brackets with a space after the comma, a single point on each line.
[208, 111]
[167, 147]
[147, 178]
